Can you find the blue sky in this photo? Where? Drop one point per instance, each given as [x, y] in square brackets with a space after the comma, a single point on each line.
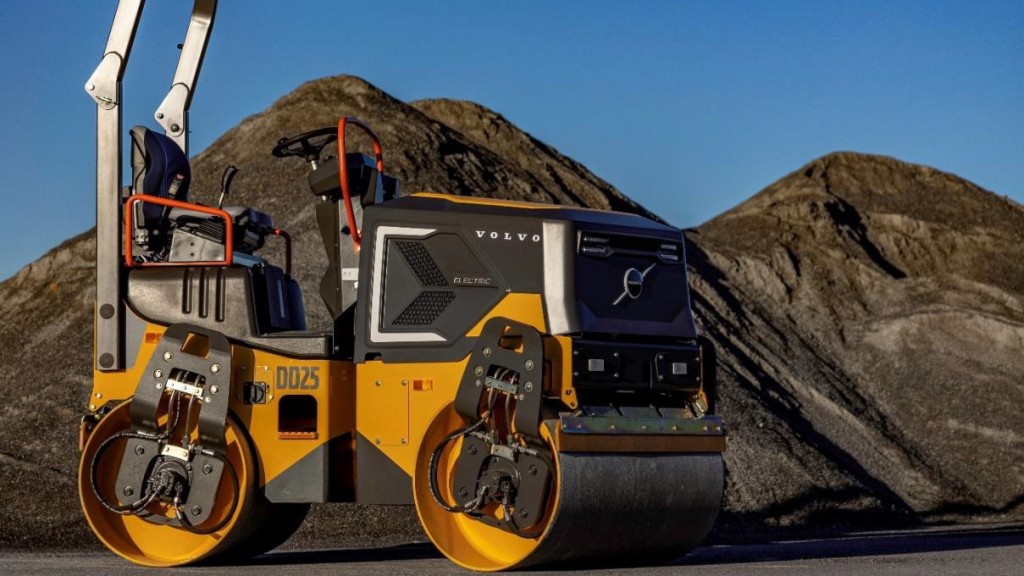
[689, 107]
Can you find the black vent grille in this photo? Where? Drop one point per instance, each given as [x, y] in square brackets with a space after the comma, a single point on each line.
[425, 309]
[602, 245]
[212, 229]
[422, 265]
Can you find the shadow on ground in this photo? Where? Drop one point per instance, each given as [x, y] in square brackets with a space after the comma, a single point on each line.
[403, 552]
[865, 544]
[858, 545]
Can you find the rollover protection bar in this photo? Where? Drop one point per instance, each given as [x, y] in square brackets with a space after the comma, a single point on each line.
[104, 87]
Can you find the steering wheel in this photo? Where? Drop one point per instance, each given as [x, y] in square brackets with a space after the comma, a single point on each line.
[307, 145]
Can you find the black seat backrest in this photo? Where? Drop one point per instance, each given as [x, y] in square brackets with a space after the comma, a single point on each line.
[159, 167]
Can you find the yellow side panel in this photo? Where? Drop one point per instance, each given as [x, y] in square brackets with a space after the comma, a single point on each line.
[525, 308]
[331, 384]
[428, 388]
[120, 385]
[487, 201]
[411, 395]
[334, 392]
[558, 353]
[385, 399]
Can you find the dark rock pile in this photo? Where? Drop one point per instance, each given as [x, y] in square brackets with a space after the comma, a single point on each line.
[870, 318]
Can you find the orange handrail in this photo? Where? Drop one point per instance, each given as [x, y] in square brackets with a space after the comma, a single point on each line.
[343, 169]
[287, 248]
[129, 227]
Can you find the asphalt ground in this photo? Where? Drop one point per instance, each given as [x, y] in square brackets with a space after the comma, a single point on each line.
[987, 550]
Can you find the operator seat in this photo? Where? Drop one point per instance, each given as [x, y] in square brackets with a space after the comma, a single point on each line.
[182, 236]
[160, 168]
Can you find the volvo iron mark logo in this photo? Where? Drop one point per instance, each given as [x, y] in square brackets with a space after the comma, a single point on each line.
[633, 283]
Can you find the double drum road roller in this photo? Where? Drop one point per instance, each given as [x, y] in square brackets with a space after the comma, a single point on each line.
[529, 377]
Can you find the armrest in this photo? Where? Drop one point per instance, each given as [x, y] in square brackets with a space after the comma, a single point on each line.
[129, 226]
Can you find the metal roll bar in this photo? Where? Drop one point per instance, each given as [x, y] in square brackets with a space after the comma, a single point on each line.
[104, 86]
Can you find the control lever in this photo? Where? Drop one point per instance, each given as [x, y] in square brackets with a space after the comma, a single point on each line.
[225, 184]
[172, 193]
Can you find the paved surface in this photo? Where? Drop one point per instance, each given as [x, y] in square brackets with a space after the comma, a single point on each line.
[990, 551]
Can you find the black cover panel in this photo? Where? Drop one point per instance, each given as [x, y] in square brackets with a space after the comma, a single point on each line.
[629, 282]
[443, 264]
[425, 286]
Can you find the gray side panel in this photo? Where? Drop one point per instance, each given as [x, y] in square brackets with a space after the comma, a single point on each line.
[559, 280]
[218, 299]
[306, 481]
[135, 331]
[378, 479]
